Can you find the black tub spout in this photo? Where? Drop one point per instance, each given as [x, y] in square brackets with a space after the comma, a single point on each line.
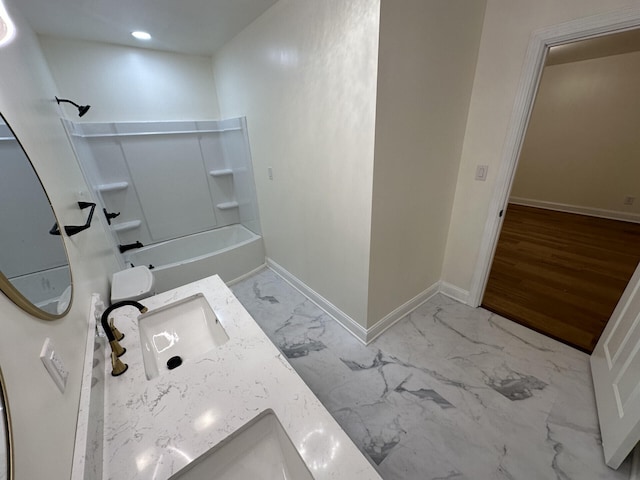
[130, 246]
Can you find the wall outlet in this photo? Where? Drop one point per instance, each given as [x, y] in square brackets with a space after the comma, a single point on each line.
[54, 364]
[629, 200]
[481, 172]
[270, 173]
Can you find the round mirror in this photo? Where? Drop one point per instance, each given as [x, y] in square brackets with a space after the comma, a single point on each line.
[34, 269]
[6, 454]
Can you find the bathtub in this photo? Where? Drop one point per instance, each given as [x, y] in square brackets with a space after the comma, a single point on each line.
[231, 252]
[46, 289]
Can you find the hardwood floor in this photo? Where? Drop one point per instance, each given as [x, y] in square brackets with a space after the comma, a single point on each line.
[560, 273]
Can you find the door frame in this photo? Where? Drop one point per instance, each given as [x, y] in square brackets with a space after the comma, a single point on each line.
[541, 41]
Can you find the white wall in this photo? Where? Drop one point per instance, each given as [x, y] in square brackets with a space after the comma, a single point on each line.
[44, 420]
[508, 25]
[582, 144]
[428, 52]
[304, 74]
[131, 84]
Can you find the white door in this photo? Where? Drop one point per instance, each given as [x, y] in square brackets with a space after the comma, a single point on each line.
[615, 366]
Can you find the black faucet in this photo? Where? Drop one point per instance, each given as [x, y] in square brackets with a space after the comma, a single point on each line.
[130, 246]
[110, 330]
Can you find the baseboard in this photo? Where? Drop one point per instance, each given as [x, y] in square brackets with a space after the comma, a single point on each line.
[246, 275]
[365, 335]
[402, 311]
[589, 211]
[330, 309]
[454, 292]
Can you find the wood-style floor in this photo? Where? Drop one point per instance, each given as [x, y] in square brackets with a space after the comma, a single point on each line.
[561, 274]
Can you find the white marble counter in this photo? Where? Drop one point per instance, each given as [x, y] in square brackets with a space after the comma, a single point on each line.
[153, 428]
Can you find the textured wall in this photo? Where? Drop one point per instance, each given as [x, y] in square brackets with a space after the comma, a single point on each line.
[507, 29]
[428, 53]
[131, 84]
[304, 74]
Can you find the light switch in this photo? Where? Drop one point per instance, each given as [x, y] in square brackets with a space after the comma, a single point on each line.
[270, 173]
[481, 172]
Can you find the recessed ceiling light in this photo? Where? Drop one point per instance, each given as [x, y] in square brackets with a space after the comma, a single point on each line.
[141, 35]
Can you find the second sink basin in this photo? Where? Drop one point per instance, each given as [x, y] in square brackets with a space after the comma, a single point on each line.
[184, 329]
[259, 450]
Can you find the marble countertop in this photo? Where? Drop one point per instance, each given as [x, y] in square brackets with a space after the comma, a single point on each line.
[153, 428]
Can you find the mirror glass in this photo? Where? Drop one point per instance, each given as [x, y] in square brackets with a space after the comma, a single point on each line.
[6, 465]
[34, 269]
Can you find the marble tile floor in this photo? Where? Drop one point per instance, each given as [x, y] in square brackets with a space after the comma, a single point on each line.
[449, 392]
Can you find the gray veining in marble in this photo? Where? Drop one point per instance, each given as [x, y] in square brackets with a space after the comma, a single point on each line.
[449, 392]
[302, 349]
[426, 394]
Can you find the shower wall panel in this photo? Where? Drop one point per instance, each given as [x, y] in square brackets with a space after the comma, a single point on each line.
[172, 186]
[169, 179]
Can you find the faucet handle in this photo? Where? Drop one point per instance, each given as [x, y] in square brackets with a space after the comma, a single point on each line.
[117, 367]
[117, 348]
[116, 333]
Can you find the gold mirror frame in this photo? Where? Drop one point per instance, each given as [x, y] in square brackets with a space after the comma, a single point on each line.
[8, 429]
[5, 285]
[23, 302]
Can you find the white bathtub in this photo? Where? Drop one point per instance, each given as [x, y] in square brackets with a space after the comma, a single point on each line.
[230, 252]
[45, 288]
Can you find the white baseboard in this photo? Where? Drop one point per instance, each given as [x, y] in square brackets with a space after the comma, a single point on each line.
[365, 335]
[334, 312]
[246, 275]
[589, 211]
[454, 292]
[402, 311]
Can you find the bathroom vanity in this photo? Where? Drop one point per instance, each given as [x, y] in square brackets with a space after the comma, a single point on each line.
[234, 407]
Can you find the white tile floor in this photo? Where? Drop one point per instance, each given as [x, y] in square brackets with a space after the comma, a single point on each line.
[449, 392]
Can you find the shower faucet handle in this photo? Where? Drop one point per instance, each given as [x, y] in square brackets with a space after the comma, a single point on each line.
[130, 246]
[109, 216]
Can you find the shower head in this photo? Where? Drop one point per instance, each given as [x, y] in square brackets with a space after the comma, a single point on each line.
[82, 109]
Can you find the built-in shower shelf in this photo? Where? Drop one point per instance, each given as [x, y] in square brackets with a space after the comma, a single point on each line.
[147, 134]
[125, 226]
[112, 187]
[221, 173]
[227, 205]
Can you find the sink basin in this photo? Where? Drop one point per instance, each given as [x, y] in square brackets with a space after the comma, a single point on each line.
[185, 329]
[261, 449]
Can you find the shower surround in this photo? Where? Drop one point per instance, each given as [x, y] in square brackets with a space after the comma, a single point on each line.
[167, 181]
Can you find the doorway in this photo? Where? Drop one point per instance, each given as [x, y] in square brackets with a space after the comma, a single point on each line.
[558, 267]
[561, 274]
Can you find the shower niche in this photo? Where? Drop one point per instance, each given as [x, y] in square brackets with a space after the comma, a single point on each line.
[163, 180]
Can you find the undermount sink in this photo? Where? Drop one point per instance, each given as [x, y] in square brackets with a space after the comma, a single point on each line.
[184, 329]
[261, 449]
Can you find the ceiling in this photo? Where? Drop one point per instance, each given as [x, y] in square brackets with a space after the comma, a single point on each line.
[201, 27]
[198, 27]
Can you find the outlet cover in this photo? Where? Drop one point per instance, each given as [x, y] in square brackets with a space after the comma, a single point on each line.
[54, 364]
[629, 200]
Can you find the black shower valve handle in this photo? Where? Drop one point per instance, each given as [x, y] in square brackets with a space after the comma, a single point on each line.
[109, 216]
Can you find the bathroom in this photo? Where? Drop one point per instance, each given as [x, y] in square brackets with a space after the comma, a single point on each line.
[332, 109]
